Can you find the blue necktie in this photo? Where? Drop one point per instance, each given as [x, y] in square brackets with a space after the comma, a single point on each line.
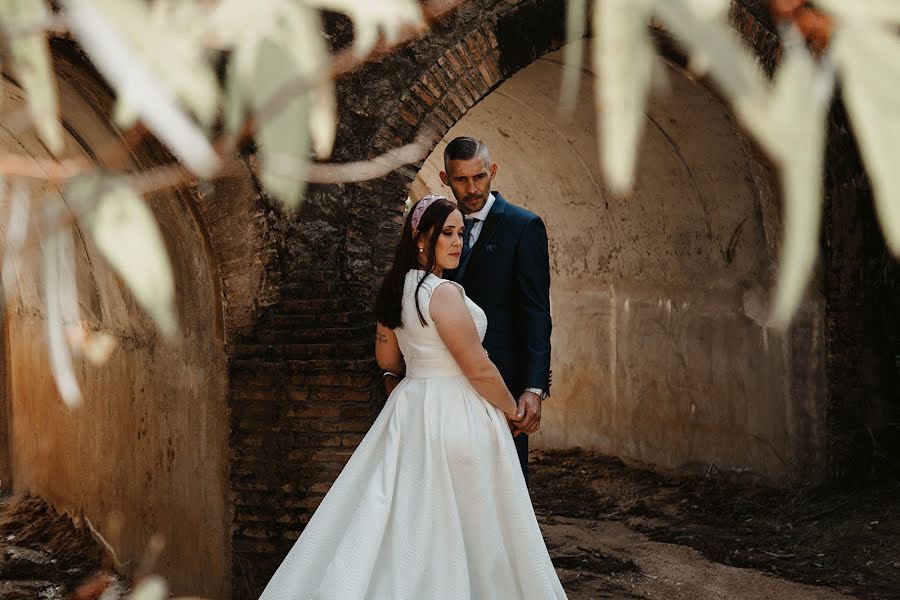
[468, 224]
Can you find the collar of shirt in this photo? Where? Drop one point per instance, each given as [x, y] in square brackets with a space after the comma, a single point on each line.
[482, 214]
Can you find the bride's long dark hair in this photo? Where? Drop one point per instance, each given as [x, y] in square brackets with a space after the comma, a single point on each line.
[388, 305]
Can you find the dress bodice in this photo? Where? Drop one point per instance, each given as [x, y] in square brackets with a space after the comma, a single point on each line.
[425, 353]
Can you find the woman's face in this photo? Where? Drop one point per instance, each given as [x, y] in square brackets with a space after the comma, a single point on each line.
[449, 243]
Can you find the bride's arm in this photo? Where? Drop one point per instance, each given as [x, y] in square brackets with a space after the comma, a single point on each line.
[389, 357]
[457, 330]
[387, 350]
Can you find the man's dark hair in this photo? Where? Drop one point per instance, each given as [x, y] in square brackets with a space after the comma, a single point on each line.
[465, 148]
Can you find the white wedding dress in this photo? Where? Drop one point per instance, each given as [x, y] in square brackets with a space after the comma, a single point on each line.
[432, 505]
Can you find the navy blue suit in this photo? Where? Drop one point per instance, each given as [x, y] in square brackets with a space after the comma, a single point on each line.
[507, 273]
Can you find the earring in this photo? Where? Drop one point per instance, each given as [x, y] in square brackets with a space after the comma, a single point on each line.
[421, 249]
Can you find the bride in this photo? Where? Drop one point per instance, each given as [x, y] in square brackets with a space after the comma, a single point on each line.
[433, 504]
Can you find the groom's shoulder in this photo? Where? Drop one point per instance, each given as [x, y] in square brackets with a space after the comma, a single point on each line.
[518, 213]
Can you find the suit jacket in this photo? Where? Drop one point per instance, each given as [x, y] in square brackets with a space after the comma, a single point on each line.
[507, 273]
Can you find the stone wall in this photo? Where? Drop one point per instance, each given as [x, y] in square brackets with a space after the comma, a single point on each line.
[660, 351]
[145, 457]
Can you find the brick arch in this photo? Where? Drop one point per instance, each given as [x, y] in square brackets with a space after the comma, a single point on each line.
[238, 226]
[481, 60]
[446, 90]
[477, 62]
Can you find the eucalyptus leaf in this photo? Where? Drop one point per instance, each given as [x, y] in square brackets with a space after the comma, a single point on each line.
[709, 9]
[283, 137]
[797, 116]
[235, 23]
[15, 235]
[167, 48]
[301, 35]
[125, 114]
[718, 49]
[125, 232]
[297, 30]
[240, 84]
[370, 19]
[886, 12]
[95, 346]
[868, 60]
[323, 120]
[573, 54]
[150, 588]
[57, 277]
[31, 60]
[234, 110]
[624, 56]
[129, 74]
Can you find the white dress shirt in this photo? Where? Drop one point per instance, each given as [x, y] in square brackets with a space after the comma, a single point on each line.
[481, 215]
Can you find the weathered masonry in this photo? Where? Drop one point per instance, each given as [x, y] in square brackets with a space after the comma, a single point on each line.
[225, 443]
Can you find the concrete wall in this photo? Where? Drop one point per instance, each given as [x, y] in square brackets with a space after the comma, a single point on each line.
[659, 351]
[148, 447]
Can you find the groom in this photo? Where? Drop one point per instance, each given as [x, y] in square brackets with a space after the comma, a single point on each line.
[505, 269]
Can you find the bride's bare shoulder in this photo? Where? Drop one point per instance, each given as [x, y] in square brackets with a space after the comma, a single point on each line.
[447, 300]
[446, 289]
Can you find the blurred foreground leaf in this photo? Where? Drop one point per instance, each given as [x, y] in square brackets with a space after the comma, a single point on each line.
[31, 60]
[717, 50]
[573, 54]
[796, 118]
[624, 56]
[857, 11]
[284, 136]
[179, 64]
[709, 9]
[276, 72]
[868, 60]
[371, 18]
[125, 232]
[60, 298]
[104, 28]
[152, 587]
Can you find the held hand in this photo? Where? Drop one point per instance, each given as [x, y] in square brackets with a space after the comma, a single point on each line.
[515, 422]
[530, 406]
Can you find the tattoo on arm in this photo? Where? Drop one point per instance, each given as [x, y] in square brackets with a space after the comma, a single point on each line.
[381, 338]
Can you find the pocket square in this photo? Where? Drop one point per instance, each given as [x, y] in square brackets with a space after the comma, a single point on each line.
[490, 248]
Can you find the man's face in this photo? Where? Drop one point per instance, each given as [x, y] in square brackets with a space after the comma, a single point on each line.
[470, 181]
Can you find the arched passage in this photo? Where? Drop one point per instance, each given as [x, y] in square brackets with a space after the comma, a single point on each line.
[660, 354]
[145, 456]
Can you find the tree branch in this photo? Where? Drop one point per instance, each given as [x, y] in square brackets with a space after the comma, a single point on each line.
[18, 165]
[175, 174]
[114, 156]
[344, 63]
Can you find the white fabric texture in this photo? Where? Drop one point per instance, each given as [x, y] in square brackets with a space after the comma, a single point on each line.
[432, 505]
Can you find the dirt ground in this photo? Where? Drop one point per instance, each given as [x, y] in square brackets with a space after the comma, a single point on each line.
[619, 532]
[43, 555]
[613, 532]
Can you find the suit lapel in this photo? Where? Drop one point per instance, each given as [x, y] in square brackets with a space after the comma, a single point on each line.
[491, 224]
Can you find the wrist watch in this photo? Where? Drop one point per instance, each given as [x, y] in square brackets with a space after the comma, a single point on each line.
[541, 393]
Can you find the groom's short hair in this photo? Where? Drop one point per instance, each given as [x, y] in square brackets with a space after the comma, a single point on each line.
[465, 148]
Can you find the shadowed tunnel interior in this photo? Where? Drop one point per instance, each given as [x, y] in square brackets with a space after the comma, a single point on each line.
[660, 352]
[145, 455]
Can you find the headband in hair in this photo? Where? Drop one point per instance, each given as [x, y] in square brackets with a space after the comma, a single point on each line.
[419, 209]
